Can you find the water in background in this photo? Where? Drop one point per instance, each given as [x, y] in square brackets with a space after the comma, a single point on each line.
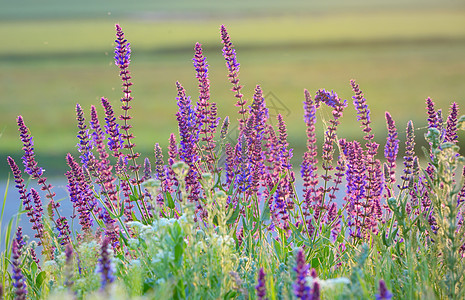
[12, 204]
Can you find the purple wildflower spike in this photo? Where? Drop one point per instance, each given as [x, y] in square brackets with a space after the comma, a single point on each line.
[115, 141]
[301, 290]
[391, 149]
[189, 135]
[80, 193]
[205, 111]
[105, 267]
[261, 285]
[229, 54]
[432, 114]
[19, 282]
[329, 98]
[36, 218]
[105, 176]
[309, 162]
[384, 293]
[362, 110]
[409, 155]
[229, 164]
[316, 291]
[33, 212]
[356, 186]
[34, 257]
[147, 169]
[30, 164]
[451, 127]
[122, 60]
[23, 195]
[258, 118]
[85, 144]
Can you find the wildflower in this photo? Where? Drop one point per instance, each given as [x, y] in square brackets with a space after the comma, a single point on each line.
[316, 291]
[19, 282]
[432, 114]
[363, 113]
[147, 169]
[30, 164]
[105, 267]
[261, 285]
[85, 144]
[122, 60]
[384, 293]
[451, 127]
[80, 193]
[115, 141]
[409, 155]
[205, 111]
[391, 148]
[301, 290]
[329, 98]
[229, 54]
[188, 132]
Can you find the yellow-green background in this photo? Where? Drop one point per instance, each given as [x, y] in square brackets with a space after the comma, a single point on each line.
[55, 54]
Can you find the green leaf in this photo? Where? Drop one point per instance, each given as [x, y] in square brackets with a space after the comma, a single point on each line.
[170, 200]
[40, 279]
[265, 213]
[133, 198]
[234, 216]
[230, 295]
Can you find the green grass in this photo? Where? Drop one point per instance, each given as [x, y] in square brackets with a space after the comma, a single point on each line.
[397, 57]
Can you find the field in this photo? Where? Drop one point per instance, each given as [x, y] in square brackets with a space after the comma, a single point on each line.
[51, 63]
[300, 197]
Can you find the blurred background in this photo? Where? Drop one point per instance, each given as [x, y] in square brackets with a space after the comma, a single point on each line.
[57, 53]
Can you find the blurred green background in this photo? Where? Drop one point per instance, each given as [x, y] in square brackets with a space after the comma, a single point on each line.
[57, 53]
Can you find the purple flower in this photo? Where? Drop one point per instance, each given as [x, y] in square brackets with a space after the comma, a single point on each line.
[433, 120]
[392, 148]
[205, 111]
[243, 179]
[19, 183]
[329, 98]
[309, 162]
[189, 135]
[122, 49]
[105, 267]
[384, 293]
[115, 141]
[363, 113]
[36, 218]
[230, 165]
[19, 282]
[30, 164]
[85, 144]
[261, 285]
[356, 185]
[316, 291]
[451, 127]
[229, 54]
[80, 193]
[301, 290]
[409, 155]
[122, 60]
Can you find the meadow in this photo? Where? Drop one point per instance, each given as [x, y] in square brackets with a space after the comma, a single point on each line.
[236, 161]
